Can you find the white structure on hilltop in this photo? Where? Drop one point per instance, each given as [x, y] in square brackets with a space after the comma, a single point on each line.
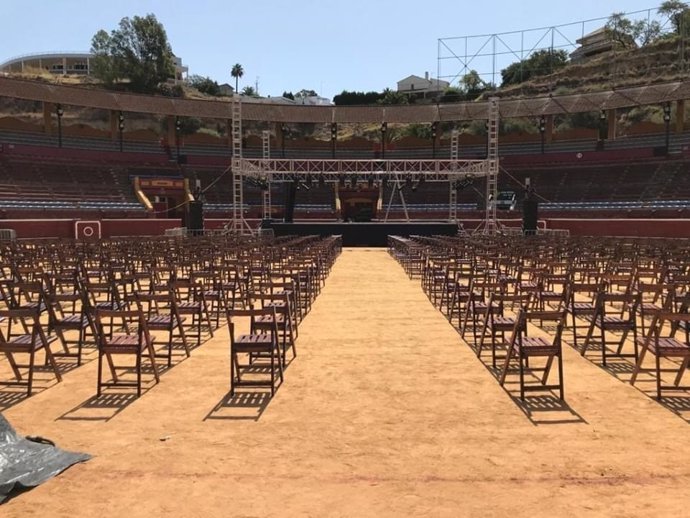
[422, 86]
[69, 63]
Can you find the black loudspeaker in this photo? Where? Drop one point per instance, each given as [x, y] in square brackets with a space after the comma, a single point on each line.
[530, 215]
[290, 195]
[195, 217]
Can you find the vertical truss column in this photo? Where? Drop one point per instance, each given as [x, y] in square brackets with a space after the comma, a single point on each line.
[491, 223]
[266, 146]
[453, 177]
[237, 194]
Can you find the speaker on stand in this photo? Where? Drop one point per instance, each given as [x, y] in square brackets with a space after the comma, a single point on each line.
[530, 211]
[195, 218]
[290, 197]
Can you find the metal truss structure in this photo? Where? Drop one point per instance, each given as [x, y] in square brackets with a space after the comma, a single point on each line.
[491, 224]
[268, 170]
[489, 54]
[266, 195]
[289, 170]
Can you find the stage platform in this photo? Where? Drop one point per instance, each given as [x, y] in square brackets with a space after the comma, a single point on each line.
[363, 234]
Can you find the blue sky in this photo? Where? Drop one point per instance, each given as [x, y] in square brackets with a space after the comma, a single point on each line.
[324, 45]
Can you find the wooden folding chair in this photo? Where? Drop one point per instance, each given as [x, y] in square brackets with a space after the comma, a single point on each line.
[191, 301]
[161, 314]
[115, 340]
[623, 322]
[283, 319]
[498, 322]
[662, 341]
[254, 344]
[30, 343]
[522, 347]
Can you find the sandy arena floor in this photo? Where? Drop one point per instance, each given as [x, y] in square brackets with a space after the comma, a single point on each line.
[384, 412]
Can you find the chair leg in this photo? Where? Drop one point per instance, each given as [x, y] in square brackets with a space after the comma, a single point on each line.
[547, 370]
[32, 357]
[232, 373]
[139, 374]
[13, 364]
[100, 374]
[170, 344]
[506, 365]
[152, 358]
[50, 358]
[681, 371]
[522, 375]
[183, 335]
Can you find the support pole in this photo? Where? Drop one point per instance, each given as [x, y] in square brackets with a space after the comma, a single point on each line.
[266, 198]
[238, 223]
[490, 220]
[453, 178]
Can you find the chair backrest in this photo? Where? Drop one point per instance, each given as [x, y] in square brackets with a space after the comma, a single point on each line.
[253, 314]
[30, 316]
[117, 321]
[555, 317]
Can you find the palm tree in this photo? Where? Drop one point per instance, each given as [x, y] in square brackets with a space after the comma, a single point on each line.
[237, 72]
[249, 91]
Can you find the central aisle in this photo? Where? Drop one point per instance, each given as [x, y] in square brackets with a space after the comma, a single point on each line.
[384, 412]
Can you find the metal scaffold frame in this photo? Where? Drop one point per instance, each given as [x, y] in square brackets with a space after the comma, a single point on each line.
[452, 182]
[266, 196]
[238, 222]
[269, 170]
[491, 225]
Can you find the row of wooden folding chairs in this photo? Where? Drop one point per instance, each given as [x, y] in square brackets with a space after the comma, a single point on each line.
[95, 296]
[612, 298]
[274, 313]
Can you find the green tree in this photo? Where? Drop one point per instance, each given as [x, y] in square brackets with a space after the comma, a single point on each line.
[622, 30]
[346, 98]
[249, 91]
[289, 95]
[472, 85]
[452, 94]
[205, 85]
[629, 33]
[393, 97]
[237, 72]
[539, 63]
[421, 131]
[679, 14]
[138, 51]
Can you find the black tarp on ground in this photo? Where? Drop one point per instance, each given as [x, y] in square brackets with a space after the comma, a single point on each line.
[25, 464]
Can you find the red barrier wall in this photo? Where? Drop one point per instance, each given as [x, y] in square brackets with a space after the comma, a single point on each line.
[632, 227]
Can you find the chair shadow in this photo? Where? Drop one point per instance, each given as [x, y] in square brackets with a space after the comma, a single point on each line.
[12, 395]
[10, 398]
[618, 367]
[101, 408]
[677, 404]
[542, 409]
[243, 406]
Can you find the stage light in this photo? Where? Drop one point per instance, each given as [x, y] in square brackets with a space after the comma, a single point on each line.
[334, 130]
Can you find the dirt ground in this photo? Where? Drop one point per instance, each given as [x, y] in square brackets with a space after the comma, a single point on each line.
[384, 412]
